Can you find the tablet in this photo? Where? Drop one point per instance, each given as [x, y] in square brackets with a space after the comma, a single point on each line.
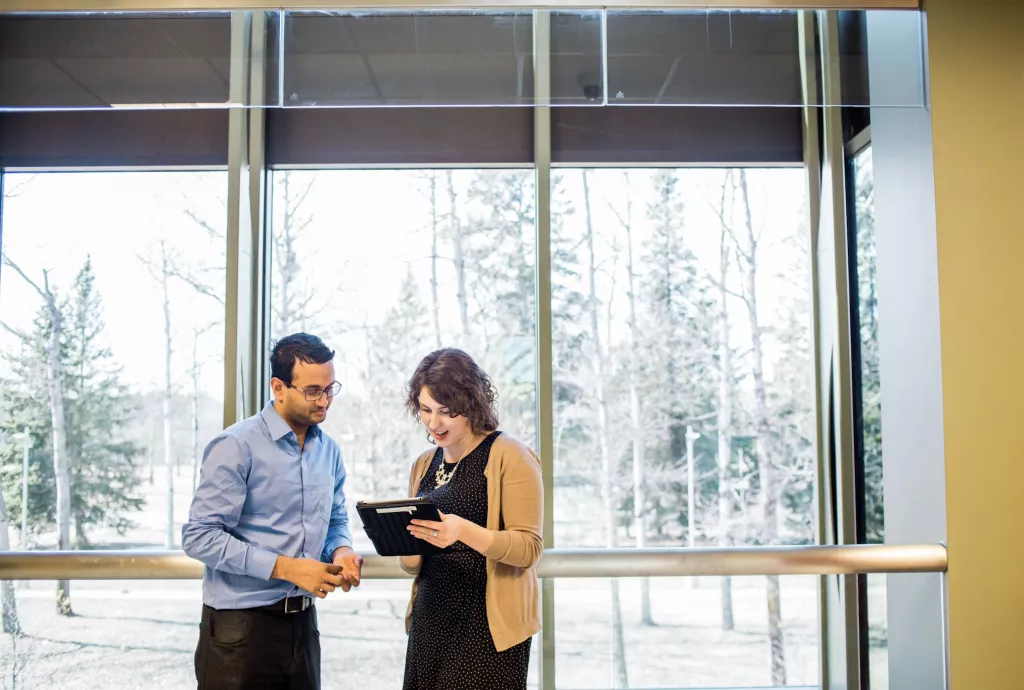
[385, 523]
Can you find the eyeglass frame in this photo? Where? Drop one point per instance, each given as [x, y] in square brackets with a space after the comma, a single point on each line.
[306, 394]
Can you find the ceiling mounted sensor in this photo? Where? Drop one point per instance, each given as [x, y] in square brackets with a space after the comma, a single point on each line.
[590, 83]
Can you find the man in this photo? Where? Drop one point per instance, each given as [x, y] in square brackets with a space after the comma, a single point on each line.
[269, 522]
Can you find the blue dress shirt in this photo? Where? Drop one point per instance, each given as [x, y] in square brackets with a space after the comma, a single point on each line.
[260, 496]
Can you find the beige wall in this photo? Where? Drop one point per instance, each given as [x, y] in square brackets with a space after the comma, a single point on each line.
[976, 53]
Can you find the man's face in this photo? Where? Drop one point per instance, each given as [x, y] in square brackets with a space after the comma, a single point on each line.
[308, 380]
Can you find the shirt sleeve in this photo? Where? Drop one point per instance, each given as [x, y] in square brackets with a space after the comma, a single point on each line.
[338, 533]
[215, 510]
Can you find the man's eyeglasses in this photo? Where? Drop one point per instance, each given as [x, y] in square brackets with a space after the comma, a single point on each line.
[314, 394]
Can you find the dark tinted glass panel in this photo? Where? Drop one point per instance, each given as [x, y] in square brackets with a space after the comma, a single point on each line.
[114, 60]
[432, 58]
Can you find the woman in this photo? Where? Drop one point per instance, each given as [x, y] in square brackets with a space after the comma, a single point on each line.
[475, 604]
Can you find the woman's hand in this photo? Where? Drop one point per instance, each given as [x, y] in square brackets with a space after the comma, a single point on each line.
[442, 534]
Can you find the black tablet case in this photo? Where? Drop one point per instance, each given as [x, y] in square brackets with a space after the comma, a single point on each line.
[385, 524]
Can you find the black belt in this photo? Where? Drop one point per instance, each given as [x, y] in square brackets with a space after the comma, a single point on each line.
[289, 605]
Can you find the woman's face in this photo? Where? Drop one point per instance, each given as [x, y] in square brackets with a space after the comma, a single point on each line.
[444, 429]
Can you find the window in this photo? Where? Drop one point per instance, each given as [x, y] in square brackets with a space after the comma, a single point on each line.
[132, 265]
[684, 416]
[406, 262]
[386, 266]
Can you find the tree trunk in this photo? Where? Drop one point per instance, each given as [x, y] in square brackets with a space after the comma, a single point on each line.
[287, 264]
[724, 423]
[619, 673]
[769, 481]
[636, 413]
[435, 305]
[9, 605]
[460, 257]
[168, 392]
[55, 381]
[292, 296]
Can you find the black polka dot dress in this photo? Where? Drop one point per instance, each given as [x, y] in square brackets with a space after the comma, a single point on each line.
[450, 645]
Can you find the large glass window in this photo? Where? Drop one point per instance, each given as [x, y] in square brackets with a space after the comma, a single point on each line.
[116, 282]
[684, 415]
[386, 266]
[113, 281]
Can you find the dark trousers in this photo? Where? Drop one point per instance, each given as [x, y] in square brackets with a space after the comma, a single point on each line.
[258, 649]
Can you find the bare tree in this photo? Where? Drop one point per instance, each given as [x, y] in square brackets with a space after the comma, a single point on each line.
[635, 407]
[55, 385]
[294, 304]
[747, 250]
[724, 418]
[163, 268]
[435, 221]
[459, 258]
[194, 372]
[619, 672]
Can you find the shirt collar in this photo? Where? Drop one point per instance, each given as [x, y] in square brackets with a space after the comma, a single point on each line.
[279, 428]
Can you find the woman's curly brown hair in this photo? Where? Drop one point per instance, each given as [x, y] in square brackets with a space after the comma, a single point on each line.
[455, 381]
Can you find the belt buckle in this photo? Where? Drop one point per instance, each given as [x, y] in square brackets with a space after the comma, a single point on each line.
[300, 607]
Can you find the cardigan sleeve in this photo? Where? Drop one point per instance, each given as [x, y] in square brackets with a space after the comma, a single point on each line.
[519, 543]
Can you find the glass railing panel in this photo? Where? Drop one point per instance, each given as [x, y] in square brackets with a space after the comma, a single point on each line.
[685, 633]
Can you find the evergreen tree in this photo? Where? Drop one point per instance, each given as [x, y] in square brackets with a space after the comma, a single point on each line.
[394, 348]
[97, 415]
[569, 336]
[103, 476]
[502, 285]
[24, 399]
[679, 355]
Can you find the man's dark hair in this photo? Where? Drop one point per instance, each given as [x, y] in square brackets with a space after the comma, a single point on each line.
[455, 381]
[297, 346]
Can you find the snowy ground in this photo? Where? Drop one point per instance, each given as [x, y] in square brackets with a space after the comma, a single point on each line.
[142, 634]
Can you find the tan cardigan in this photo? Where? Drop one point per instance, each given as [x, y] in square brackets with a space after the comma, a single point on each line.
[515, 510]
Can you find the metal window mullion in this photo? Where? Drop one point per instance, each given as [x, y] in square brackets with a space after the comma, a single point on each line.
[812, 167]
[258, 203]
[842, 596]
[243, 223]
[545, 351]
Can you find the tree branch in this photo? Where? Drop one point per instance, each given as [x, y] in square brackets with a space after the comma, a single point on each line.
[195, 283]
[7, 262]
[210, 230]
[19, 190]
[302, 197]
[15, 332]
[715, 281]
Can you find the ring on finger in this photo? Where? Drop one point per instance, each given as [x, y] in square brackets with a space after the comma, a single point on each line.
[435, 532]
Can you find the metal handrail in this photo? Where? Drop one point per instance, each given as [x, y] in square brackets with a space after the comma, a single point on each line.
[555, 563]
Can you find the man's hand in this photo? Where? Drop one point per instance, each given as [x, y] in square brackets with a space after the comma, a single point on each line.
[319, 579]
[351, 566]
